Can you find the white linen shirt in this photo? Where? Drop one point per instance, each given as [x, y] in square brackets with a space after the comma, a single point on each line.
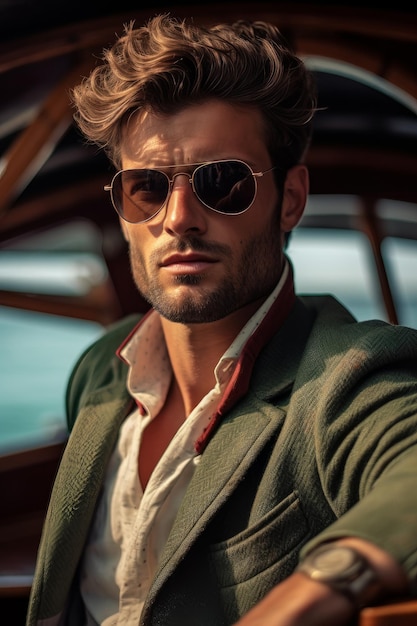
[131, 525]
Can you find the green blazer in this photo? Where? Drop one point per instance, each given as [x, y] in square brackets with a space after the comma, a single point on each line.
[323, 445]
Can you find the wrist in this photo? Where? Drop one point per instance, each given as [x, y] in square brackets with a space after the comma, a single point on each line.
[345, 570]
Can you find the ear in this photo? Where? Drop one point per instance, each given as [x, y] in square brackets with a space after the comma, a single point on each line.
[294, 198]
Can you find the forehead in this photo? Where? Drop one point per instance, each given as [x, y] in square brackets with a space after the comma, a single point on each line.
[200, 132]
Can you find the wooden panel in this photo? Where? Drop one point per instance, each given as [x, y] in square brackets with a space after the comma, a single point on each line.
[25, 482]
[397, 614]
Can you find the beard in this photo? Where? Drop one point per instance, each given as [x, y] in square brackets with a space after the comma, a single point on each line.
[250, 277]
[201, 305]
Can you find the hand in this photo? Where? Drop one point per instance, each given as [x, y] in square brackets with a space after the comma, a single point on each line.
[300, 601]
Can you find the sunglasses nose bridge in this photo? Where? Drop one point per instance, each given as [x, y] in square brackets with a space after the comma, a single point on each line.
[172, 180]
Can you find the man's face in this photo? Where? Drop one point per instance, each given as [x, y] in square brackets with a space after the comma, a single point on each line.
[190, 263]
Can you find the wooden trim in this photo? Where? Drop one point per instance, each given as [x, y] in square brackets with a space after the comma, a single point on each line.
[396, 614]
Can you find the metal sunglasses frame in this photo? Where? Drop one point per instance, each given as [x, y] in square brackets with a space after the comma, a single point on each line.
[197, 167]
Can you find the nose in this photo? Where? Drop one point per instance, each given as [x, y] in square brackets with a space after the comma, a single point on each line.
[183, 211]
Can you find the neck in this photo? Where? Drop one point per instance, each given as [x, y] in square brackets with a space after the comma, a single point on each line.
[195, 349]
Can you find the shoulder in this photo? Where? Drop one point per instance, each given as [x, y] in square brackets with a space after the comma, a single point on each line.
[99, 366]
[336, 336]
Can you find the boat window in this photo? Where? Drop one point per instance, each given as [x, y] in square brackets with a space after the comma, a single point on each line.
[38, 352]
[401, 259]
[337, 262]
[44, 270]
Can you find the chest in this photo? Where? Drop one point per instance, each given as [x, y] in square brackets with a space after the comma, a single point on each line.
[158, 434]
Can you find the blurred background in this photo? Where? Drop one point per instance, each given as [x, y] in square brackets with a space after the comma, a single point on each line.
[64, 272]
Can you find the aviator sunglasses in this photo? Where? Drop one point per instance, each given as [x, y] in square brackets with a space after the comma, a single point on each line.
[228, 187]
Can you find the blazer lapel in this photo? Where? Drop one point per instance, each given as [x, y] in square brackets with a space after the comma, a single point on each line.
[239, 438]
[214, 481]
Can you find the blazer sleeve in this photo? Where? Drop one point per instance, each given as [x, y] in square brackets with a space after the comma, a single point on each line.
[365, 428]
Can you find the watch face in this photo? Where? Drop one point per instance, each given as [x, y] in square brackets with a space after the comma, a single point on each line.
[344, 569]
[337, 561]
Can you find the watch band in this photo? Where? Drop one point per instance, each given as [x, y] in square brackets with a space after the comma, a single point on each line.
[344, 569]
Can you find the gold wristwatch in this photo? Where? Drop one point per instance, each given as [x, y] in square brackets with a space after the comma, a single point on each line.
[344, 569]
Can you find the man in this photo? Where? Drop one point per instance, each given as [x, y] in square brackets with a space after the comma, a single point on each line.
[239, 455]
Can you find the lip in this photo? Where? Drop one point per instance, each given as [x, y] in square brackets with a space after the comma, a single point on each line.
[191, 263]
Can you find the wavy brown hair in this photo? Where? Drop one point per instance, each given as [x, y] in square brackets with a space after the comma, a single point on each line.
[170, 63]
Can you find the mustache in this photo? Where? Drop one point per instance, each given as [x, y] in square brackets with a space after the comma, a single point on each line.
[191, 244]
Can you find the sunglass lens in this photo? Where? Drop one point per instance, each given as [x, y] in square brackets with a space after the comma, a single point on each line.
[139, 194]
[225, 186]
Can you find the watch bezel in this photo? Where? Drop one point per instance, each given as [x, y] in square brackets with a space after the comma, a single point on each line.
[344, 569]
